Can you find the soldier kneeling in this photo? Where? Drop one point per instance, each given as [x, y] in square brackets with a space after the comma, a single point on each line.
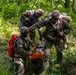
[21, 50]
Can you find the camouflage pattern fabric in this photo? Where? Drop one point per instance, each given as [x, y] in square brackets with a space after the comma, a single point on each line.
[21, 53]
[18, 66]
[52, 38]
[29, 21]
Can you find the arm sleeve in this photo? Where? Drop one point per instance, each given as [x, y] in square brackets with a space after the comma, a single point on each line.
[20, 48]
[39, 24]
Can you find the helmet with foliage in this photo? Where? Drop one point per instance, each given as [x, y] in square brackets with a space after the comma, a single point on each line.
[40, 12]
[55, 14]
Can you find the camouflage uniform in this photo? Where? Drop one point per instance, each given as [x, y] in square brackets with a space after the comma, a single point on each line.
[67, 18]
[29, 18]
[52, 36]
[21, 51]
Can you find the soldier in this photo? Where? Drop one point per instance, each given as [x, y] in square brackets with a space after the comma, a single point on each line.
[21, 50]
[53, 34]
[69, 20]
[29, 18]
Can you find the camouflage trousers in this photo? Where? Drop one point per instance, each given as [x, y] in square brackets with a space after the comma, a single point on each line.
[19, 66]
[48, 45]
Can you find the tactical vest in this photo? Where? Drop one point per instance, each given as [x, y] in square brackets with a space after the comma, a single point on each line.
[52, 30]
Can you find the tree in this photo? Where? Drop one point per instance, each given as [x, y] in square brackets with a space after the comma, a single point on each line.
[19, 2]
[53, 3]
[74, 6]
[67, 4]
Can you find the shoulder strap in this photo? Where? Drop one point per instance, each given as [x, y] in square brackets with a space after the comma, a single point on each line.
[25, 41]
[22, 38]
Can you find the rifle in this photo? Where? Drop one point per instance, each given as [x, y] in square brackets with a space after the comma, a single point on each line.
[57, 31]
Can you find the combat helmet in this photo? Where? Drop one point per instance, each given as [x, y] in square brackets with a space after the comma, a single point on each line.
[24, 31]
[55, 14]
[40, 11]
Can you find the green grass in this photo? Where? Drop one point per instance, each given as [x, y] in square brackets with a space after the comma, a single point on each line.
[69, 55]
[4, 63]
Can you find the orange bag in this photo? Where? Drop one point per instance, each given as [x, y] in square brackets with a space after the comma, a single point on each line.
[36, 55]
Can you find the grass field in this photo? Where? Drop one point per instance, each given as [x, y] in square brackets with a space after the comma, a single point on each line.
[69, 59]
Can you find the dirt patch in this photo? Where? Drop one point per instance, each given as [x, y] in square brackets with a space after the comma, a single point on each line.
[69, 68]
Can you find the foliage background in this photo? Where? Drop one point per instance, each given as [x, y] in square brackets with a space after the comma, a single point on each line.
[10, 11]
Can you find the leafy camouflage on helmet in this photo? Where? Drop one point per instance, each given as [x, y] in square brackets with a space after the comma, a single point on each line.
[40, 11]
[55, 14]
